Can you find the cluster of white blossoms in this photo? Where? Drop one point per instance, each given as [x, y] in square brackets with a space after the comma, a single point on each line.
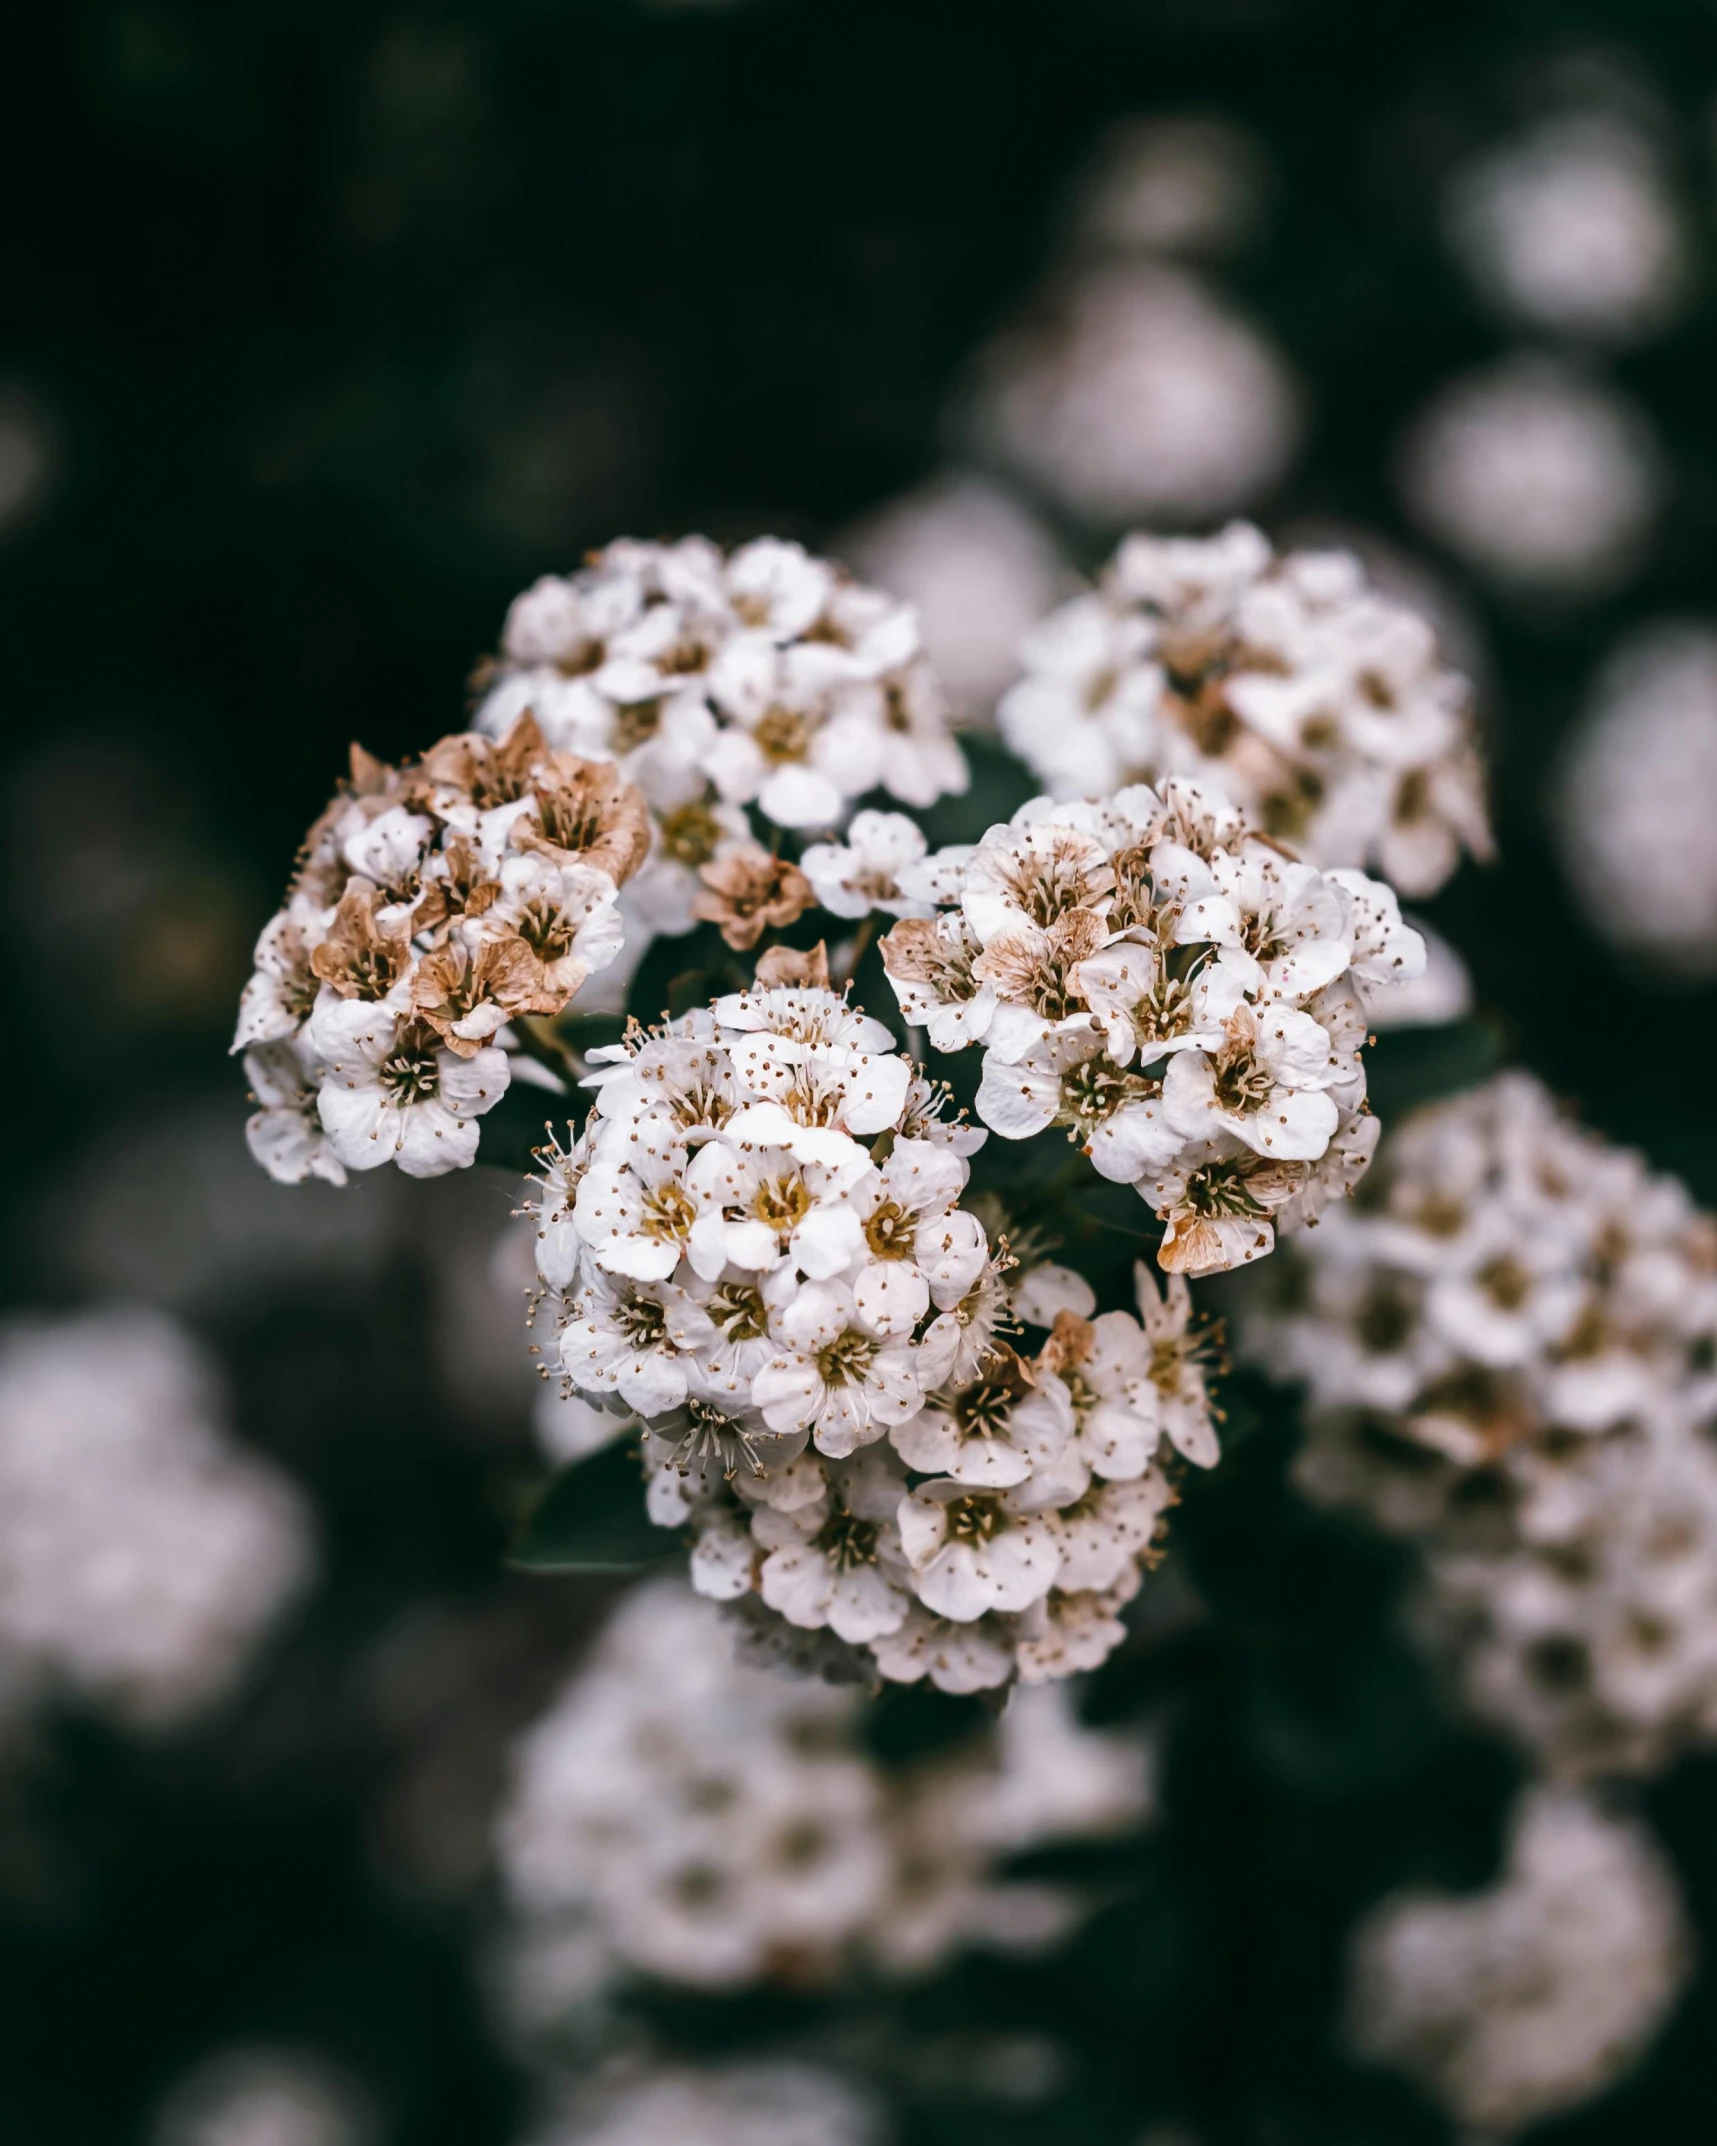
[1515, 2004]
[684, 1815]
[757, 1246]
[1324, 709]
[1538, 476]
[1636, 800]
[263, 2096]
[1509, 1347]
[1136, 388]
[762, 2104]
[1171, 989]
[434, 906]
[1573, 227]
[761, 678]
[1178, 183]
[142, 1557]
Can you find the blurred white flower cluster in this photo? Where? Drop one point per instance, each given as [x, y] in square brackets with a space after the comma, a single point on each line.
[1573, 227]
[1509, 1351]
[978, 567]
[759, 2104]
[1171, 183]
[1636, 801]
[1511, 2005]
[142, 1557]
[1544, 479]
[683, 1815]
[262, 2096]
[433, 905]
[1136, 389]
[763, 677]
[1326, 710]
[1083, 943]
[757, 1245]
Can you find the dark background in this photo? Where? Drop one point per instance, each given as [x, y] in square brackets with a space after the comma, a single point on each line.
[341, 323]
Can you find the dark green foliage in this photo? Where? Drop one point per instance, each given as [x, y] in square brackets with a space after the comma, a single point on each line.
[590, 1518]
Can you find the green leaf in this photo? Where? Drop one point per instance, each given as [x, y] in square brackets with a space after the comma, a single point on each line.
[999, 786]
[907, 1722]
[1406, 1067]
[591, 1518]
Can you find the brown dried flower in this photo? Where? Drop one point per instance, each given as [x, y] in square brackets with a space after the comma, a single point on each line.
[360, 957]
[786, 967]
[750, 891]
[586, 814]
[466, 995]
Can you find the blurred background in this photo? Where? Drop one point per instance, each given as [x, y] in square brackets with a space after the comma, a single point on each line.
[328, 329]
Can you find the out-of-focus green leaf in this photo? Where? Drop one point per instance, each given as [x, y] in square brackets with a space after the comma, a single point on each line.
[591, 1518]
[1406, 1067]
[909, 1721]
[999, 786]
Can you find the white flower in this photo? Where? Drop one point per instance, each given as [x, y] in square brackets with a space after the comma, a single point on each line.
[276, 1002]
[1069, 1079]
[915, 1244]
[1101, 1536]
[972, 1655]
[1172, 992]
[769, 1207]
[994, 1432]
[839, 1377]
[1175, 1390]
[639, 1211]
[1065, 1634]
[285, 1134]
[637, 1339]
[972, 1551]
[839, 1563]
[861, 874]
[390, 1093]
[1266, 1086]
[932, 974]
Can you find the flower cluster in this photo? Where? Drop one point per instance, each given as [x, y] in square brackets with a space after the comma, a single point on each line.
[1574, 227]
[633, 2103]
[1508, 1349]
[1540, 476]
[757, 1245]
[434, 905]
[1323, 708]
[1136, 387]
[260, 2095]
[1637, 796]
[142, 1558]
[681, 1814]
[1512, 2005]
[764, 677]
[1174, 991]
